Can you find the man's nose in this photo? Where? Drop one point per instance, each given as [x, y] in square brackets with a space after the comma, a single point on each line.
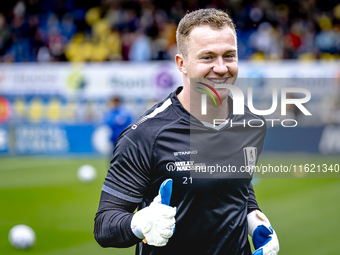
[220, 67]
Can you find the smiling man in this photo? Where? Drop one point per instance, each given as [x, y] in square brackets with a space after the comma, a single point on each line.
[206, 51]
[174, 147]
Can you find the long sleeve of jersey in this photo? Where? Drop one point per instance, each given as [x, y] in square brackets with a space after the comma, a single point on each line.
[252, 204]
[113, 222]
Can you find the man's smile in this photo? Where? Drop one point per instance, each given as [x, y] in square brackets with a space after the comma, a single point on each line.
[218, 80]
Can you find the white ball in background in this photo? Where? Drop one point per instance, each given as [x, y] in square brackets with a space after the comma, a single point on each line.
[22, 236]
[87, 173]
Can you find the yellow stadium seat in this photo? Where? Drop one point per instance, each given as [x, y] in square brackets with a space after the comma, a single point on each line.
[36, 110]
[54, 110]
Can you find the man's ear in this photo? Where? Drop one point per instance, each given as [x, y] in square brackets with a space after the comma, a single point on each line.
[180, 63]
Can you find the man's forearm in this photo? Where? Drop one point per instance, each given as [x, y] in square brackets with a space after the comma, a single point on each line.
[113, 223]
[252, 203]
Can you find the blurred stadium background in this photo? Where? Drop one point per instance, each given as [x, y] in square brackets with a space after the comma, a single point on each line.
[61, 60]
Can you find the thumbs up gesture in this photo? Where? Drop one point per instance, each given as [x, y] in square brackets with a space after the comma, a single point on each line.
[155, 224]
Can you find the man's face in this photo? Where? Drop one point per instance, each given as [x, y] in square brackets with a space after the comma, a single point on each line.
[212, 54]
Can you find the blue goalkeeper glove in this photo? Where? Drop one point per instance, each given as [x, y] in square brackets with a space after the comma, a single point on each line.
[155, 224]
[264, 237]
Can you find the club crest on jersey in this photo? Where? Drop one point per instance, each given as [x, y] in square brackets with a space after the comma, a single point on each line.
[250, 156]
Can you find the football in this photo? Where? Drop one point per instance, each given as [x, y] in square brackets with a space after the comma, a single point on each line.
[87, 173]
[22, 237]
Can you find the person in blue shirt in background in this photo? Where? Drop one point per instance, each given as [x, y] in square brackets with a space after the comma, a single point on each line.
[117, 118]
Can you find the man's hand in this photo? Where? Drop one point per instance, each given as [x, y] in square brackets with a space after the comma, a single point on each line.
[264, 237]
[156, 222]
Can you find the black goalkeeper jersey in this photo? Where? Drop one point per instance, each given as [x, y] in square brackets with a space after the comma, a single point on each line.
[211, 190]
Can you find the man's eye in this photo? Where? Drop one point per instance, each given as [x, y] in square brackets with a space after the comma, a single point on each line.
[229, 56]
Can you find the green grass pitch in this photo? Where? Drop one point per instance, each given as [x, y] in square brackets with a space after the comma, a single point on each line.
[44, 193]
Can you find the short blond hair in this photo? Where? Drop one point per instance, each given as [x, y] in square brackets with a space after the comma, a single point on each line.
[211, 17]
